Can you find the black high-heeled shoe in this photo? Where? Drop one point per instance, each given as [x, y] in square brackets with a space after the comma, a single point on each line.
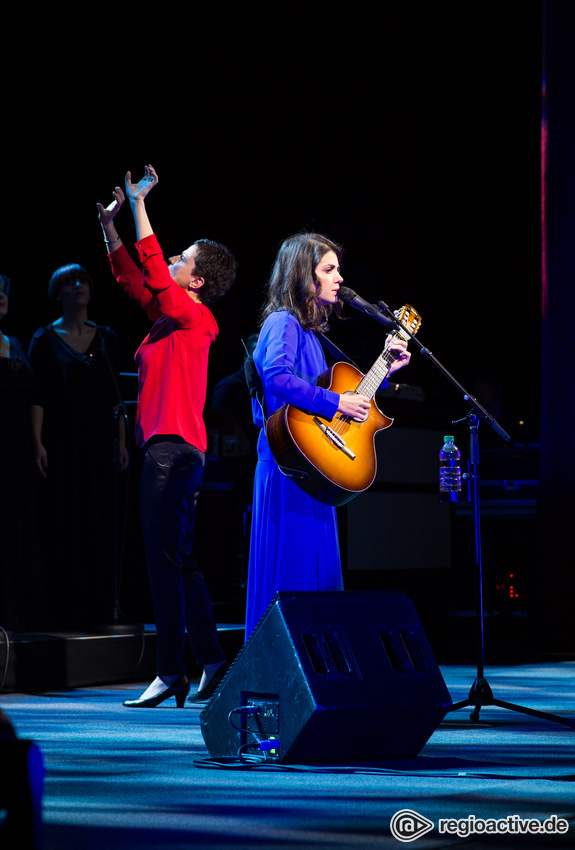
[178, 689]
[208, 691]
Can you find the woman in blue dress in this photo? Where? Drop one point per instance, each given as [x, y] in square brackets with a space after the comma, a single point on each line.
[294, 540]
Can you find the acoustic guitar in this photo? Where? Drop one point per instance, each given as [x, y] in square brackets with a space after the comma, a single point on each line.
[334, 460]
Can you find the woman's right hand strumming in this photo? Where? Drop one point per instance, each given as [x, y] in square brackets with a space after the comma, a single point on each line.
[354, 405]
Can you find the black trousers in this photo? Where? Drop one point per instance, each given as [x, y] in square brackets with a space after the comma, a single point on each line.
[171, 475]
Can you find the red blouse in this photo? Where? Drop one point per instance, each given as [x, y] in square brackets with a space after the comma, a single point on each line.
[173, 359]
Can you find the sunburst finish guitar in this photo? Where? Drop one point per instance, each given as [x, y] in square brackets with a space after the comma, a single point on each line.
[334, 460]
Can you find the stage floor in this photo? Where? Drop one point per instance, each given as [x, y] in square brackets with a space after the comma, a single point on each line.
[121, 778]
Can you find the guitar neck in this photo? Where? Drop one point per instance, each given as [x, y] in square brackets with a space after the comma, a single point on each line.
[371, 382]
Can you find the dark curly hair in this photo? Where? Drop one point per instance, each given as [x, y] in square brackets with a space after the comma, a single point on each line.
[217, 265]
[293, 285]
[65, 275]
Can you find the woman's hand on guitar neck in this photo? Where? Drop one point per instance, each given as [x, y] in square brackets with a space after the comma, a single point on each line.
[354, 405]
[402, 355]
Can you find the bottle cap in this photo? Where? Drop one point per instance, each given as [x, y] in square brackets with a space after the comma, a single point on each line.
[449, 439]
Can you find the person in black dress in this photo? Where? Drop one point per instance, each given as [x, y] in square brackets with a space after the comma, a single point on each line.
[21, 592]
[75, 429]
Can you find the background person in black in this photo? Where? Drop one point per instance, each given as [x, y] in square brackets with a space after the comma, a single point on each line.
[73, 423]
[21, 595]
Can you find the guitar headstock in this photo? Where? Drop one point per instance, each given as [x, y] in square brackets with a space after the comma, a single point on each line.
[410, 319]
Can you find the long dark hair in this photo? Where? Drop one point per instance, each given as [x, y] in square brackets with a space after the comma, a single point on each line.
[293, 286]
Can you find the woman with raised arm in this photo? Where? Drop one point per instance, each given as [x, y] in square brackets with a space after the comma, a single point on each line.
[172, 370]
[294, 541]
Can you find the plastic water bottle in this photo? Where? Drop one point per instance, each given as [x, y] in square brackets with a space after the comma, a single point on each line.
[449, 471]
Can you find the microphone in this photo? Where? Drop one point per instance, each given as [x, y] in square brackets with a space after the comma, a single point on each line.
[372, 310]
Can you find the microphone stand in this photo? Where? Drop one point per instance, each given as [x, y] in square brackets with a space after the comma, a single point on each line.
[480, 693]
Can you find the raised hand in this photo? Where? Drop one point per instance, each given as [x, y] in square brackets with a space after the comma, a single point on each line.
[136, 192]
[106, 214]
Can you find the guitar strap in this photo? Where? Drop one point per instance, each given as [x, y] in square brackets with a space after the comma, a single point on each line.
[255, 385]
[334, 350]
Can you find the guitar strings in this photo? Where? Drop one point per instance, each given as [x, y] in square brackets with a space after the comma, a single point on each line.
[368, 385]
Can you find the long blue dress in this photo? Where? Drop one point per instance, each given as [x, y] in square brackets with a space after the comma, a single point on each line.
[294, 539]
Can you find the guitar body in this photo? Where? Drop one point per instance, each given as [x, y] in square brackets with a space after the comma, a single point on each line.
[331, 469]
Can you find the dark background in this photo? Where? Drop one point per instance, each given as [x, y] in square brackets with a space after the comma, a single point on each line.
[407, 131]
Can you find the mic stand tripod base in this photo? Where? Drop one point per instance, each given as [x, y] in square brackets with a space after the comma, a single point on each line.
[480, 695]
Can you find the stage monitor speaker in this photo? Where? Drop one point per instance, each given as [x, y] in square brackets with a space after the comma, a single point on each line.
[329, 678]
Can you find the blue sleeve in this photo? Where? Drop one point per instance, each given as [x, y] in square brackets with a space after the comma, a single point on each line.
[289, 361]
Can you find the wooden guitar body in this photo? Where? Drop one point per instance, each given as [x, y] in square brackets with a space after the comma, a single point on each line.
[332, 460]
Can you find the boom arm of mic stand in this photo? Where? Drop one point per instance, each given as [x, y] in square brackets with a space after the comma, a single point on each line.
[477, 408]
[390, 319]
